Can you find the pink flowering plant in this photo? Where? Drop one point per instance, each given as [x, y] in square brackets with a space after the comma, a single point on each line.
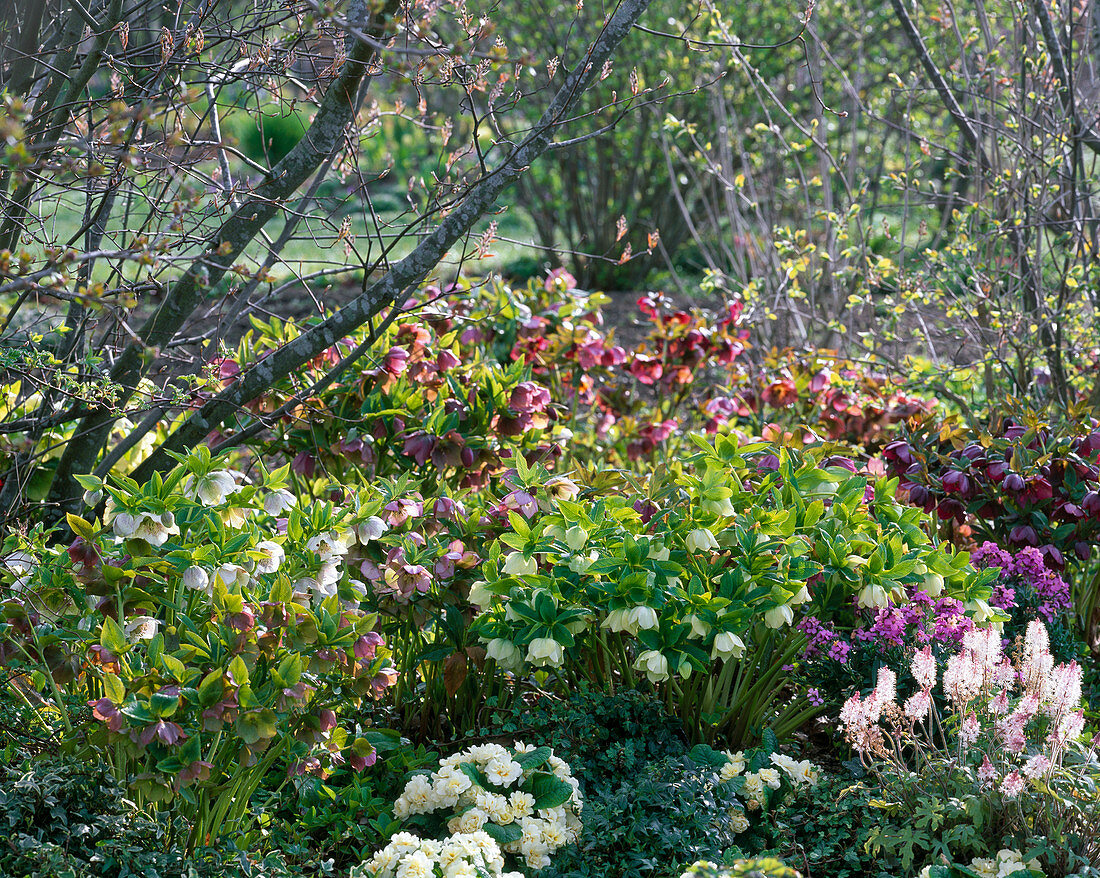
[991, 753]
[200, 625]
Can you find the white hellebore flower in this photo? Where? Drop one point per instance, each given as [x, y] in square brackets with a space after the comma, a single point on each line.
[701, 540]
[699, 628]
[505, 653]
[328, 544]
[581, 563]
[779, 616]
[641, 617]
[231, 575]
[517, 565]
[196, 578]
[480, 596]
[616, 620]
[211, 489]
[658, 553]
[545, 651]
[279, 501]
[653, 664]
[273, 556]
[371, 529]
[576, 537]
[21, 563]
[141, 628]
[155, 529]
[125, 524]
[932, 585]
[873, 595]
[980, 611]
[727, 645]
[721, 507]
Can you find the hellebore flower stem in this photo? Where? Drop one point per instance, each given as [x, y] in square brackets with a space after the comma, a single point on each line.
[605, 655]
[627, 670]
[53, 688]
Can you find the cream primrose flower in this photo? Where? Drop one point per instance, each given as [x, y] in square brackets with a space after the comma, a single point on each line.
[523, 804]
[545, 651]
[500, 812]
[505, 653]
[799, 772]
[653, 664]
[701, 540]
[503, 772]
[272, 556]
[779, 616]
[416, 865]
[212, 488]
[771, 778]
[279, 501]
[753, 787]
[738, 821]
[517, 565]
[734, 766]
[727, 646]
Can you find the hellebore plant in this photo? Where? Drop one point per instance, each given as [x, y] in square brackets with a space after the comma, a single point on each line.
[695, 590]
[209, 639]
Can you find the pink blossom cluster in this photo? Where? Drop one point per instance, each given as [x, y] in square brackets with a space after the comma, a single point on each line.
[998, 706]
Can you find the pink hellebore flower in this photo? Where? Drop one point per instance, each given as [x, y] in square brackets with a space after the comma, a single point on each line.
[520, 501]
[367, 645]
[166, 732]
[396, 361]
[358, 763]
[401, 510]
[528, 397]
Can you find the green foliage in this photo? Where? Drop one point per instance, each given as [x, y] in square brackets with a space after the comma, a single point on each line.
[605, 738]
[761, 868]
[823, 830]
[699, 600]
[63, 818]
[651, 822]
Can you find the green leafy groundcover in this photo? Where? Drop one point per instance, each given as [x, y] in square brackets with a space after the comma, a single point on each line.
[765, 868]
[63, 818]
